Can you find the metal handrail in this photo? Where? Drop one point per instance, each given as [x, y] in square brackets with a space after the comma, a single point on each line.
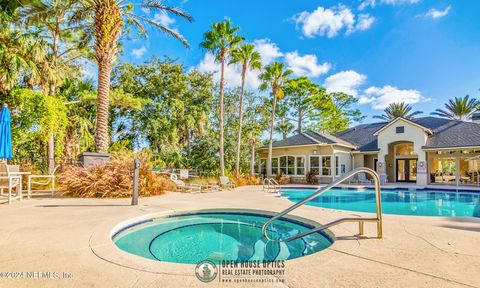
[360, 221]
[271, 184]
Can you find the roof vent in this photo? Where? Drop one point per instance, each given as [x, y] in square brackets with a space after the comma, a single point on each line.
[476, 117]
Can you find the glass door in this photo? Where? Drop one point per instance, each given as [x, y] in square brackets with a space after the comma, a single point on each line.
[406, 170]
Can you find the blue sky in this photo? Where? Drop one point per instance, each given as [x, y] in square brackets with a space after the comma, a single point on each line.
[422, 52]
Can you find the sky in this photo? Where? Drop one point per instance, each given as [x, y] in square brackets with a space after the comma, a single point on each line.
[422, 52]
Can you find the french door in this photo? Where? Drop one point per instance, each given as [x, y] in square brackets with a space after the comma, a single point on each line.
[406, 170]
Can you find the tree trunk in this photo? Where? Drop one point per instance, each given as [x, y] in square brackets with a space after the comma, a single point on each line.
[252, 157]
[222, 154]
[102, 138]
[240, 119]
[53, 86]
[284, 129]
[299, 124]
[272, 126]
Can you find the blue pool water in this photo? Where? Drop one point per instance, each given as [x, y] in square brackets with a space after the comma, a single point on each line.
[217, 236]
[400, 201]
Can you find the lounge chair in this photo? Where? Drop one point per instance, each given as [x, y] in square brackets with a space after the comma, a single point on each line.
[184, 187]
[9, 180]
[383, 179]
[362, 178]
[226, 183]
[44, 181]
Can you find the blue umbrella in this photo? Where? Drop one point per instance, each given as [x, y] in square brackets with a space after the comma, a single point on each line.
[5, 134]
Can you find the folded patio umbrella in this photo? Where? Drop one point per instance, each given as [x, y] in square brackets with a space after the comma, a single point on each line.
[5, 134]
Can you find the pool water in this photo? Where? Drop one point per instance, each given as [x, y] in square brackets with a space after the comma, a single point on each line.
[217, 236]
[399, 201]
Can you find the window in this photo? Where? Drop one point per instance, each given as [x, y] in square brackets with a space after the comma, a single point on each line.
[290, 165]
[404, 149]
[274, 166]
[337, 160]
[326, 162]
[300, 168]
[263, 167]
[315, 165]
[283, 165]
[400, 129]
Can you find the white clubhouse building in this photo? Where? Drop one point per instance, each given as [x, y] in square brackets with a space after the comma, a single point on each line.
[426, 150]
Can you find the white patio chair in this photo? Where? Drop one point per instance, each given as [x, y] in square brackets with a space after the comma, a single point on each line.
[383, 179]
[225, 182]
[362, 178]
[42, 180]
[184, 187]
[9, 181]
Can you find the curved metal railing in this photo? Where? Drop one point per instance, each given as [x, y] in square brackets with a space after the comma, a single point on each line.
[270, 184]
[360, 221]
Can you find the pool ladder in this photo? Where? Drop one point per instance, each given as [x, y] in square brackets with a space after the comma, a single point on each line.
[360, 220]
[270, 185]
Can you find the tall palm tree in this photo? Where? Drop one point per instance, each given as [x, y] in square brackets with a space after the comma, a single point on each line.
[220, 41]
[395, 110]
[55, 20]
[108, 23]
[250, 60]
[460, 108]
[274, 77]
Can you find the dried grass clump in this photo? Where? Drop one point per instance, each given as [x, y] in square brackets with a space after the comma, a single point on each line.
[112, 180]
[245, 180]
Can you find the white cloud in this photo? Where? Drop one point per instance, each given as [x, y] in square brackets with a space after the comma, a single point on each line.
[364, 22]
[381, 97]
[139, 52]
[345, 81]
[331, 21]
[232, 72]
[372, 3]
[163, 19]
[306, 65]
[145, 10]
[434, 13]
[268, 51]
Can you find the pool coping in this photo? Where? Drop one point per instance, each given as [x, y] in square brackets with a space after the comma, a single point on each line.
[102, 245]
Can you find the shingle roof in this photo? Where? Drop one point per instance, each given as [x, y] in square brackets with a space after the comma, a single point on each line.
[327, 138]
[362, 136]
[298, 139]
[446, 133]
[450, 133]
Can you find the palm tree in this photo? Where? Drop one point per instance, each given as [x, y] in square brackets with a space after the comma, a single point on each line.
[55, 19]
[249, 59]
[395, 110]
[108, 21]
[274, 77]
[459, 108]
[220, 40]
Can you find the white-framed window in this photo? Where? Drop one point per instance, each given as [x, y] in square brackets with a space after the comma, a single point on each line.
[263, 166]
[337, 164]
[300, 165]
[315, 165]
[321, 165]
[289, 165]
[274, 166]
[326, 166]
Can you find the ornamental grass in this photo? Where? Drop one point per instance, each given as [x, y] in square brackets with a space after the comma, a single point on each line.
[112, 180]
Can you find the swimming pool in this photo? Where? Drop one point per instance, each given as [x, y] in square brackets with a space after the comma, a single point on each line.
[220, 235]
[394, 201]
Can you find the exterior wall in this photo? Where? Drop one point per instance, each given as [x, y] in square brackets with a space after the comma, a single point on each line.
[411, 133]
[358, 160]
[342, 153]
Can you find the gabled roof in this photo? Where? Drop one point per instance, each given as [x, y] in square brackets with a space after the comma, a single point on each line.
[444, 133]
[311, 138]
[412, 122]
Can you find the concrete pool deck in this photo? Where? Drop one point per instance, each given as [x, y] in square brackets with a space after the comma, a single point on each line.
[69, 235]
